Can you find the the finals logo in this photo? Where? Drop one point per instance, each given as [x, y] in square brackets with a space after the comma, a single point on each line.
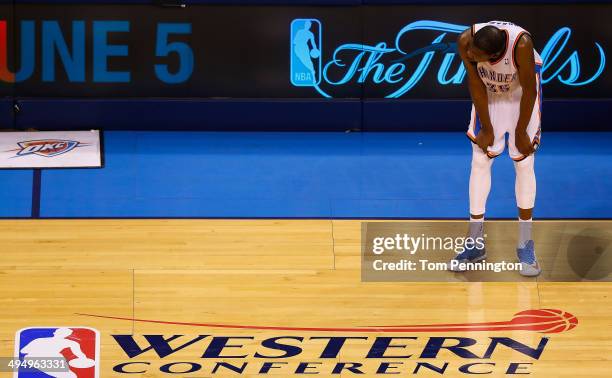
[385, 63]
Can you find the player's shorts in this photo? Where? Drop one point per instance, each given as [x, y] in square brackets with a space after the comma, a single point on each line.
[504, 111]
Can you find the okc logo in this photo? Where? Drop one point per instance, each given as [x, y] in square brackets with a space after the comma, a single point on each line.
[79, 346]
[46, 147]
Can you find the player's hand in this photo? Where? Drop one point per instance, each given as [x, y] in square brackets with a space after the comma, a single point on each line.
[523, 143]
[484, 139]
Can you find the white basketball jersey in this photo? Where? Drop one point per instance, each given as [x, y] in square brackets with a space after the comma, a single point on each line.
[501, 76]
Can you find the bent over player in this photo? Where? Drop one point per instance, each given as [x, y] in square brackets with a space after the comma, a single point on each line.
[504, 81]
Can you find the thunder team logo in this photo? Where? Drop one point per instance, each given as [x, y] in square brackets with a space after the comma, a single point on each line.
[79, 346]
[46, 147]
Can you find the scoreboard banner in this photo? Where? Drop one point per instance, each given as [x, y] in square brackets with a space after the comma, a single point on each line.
[50, 149]
[217, 51]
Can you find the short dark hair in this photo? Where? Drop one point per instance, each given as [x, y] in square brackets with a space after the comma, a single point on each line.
[490, 39]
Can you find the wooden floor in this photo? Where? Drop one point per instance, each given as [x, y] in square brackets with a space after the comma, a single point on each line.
[287, 273]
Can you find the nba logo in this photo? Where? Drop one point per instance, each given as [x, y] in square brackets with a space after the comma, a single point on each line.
[306, 49]
[79, 346]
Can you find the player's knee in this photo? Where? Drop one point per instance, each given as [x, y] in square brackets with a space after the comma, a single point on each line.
[481, 161]
[525, 167]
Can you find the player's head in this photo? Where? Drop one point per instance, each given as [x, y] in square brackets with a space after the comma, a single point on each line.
[62, 332]
[307, 25]
[488, 43]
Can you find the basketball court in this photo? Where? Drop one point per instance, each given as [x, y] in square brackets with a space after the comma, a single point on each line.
[269, 278]
[207, 188]
[289, 274]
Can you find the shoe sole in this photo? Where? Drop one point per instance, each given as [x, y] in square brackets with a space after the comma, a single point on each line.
[534, 274]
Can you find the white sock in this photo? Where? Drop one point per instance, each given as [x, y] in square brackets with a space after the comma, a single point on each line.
[524, 232]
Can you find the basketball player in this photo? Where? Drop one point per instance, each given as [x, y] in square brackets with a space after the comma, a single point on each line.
[503, 71]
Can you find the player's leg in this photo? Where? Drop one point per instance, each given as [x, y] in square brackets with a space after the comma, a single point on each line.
[525, 189]
[480, 173]
[480, 182]
[525, 192]
[480, 186]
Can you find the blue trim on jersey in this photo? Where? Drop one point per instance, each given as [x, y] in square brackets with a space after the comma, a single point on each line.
[477, 125]
[538, 70]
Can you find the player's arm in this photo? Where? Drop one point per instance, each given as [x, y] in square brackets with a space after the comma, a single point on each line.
[312, 41]
[75, 348]
[478, 92]
[525, 63]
